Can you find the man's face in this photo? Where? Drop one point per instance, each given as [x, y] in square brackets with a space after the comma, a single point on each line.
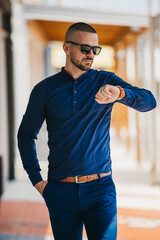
[80, 60]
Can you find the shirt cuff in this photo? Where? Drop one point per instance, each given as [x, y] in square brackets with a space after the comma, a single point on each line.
[130, 95]
[35, 178]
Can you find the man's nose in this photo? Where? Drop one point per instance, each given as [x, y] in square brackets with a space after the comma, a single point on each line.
[90, 54]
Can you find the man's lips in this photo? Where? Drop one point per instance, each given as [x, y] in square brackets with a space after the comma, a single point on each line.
[88, 60]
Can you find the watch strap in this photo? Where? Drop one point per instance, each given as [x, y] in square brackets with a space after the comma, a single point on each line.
[122, 93]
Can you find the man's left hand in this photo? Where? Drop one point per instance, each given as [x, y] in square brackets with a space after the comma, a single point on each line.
[107, 94]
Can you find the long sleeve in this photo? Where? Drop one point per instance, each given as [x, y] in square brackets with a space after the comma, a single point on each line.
[137, 98]
[28, 131]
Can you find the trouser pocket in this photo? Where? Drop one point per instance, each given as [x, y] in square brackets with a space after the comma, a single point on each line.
[44, 190]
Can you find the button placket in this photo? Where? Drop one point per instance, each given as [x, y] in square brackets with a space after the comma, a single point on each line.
[75, 95]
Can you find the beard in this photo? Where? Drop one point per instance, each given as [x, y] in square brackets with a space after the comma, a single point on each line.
[80, 65]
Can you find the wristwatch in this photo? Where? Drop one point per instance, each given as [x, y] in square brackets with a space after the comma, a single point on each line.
[122, 93]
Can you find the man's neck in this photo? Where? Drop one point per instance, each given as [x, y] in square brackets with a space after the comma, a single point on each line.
[74, 71]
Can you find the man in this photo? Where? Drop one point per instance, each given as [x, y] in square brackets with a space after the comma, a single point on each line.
[76, 104]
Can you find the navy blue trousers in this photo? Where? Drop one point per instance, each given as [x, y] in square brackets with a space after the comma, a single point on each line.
[92, 204]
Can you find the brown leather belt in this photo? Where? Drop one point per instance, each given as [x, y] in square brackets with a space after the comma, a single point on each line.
[87, 178]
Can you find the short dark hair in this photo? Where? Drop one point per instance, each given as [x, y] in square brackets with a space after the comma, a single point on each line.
[80, 26]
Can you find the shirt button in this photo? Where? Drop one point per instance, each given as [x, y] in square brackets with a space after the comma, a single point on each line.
[75, 91]
[75, 81]
[75, 102]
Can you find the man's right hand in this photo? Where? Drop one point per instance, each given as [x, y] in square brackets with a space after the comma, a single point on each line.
[40, 186]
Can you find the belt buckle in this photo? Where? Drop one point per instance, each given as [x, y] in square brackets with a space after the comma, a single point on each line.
[77, 180]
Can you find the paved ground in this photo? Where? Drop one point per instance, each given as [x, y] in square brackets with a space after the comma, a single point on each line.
[24, 216]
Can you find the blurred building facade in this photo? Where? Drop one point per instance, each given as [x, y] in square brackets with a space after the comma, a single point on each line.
[133, 36]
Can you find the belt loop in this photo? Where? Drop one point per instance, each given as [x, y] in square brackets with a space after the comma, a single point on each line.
[99, 176]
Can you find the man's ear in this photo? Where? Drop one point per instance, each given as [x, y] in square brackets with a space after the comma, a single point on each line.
[66, 48]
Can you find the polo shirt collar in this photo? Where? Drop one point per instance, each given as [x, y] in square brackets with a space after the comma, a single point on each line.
[83, 76]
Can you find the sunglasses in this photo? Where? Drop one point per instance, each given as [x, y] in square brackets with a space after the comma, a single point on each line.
[87, 48]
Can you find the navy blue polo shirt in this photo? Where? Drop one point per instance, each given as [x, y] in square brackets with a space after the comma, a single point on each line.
[78, 127]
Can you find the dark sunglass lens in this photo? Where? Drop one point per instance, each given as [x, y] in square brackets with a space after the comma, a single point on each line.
[85, 49]
[96, 50]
